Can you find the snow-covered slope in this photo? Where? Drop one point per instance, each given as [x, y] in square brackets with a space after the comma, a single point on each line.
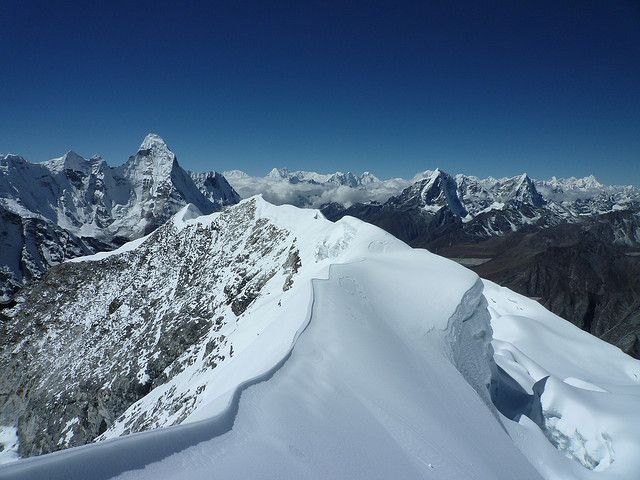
[590, 391]
[287, 346]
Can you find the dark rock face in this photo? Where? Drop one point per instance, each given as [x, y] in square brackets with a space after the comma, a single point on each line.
[70, 368]
[28, 246]
[216, 188]
[587, 281]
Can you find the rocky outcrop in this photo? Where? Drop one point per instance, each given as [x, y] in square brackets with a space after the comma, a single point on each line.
[215, 187]
[28, 246]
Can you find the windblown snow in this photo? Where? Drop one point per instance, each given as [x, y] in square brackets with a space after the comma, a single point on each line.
[343, 353]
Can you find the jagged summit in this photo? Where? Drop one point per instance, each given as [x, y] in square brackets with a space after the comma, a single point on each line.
[89, 199]
[153, 141]
[570, 183]
[524, 190]
[278, 173]
[368, 178]
[154, 153]
[69, 161]
[431, 194]
[347, 179]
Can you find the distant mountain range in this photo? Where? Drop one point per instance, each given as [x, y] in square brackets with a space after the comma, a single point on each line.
[573, 244]
[530, 235]
[277, 333]
[70, 206]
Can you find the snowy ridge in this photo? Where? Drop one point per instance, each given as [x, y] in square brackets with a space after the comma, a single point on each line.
[311, 343]
[348, 287]
[589, 397]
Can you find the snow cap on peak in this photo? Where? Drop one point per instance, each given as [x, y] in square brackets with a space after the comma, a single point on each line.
[524, 181]
[367, 178]
[72, 157]
[155, 149]
[69, 161]
[438, 172]
[591, 181]
[154, 141]
[235, 174]
[152, 159]
[525, 191]
[279, 173]
[12, 158]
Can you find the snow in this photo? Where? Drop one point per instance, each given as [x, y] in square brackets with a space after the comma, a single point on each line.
[340, 382]
[341, 408]
[91, 199]
[127, 247]
[376, 364]
[590, 397]
[8, 445]
[68, 429]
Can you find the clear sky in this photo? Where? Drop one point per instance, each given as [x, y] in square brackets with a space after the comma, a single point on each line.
[495, 88]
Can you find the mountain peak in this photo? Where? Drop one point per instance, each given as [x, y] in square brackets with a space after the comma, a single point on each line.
[153, 141]
[436, 190]
[589, 181]
[154, 153]
[367, 178]
[279, 173]
[525, 191]
[73, 157]
[69, 161]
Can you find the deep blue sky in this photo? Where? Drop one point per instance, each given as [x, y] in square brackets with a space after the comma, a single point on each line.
[491, 88]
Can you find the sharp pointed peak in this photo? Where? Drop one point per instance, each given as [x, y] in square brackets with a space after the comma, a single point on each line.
[72, 155]
[153, 141]
[69, 161]
[278, 172]
[437, 173]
